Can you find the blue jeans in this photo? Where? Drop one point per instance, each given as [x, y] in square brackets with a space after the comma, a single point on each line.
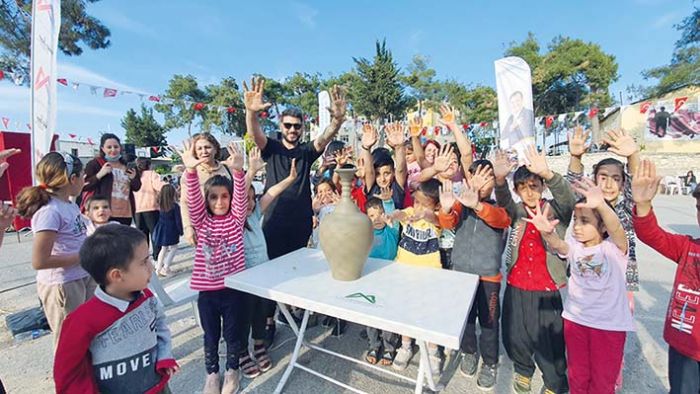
[683, 373]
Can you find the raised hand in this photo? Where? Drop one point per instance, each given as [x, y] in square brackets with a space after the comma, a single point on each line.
[106, 169]
[447, 197]
[537, 162]
[293, 170]
[415, 125]
[255, 161]
[481, 177]
[645, 183]
[592, 192]
[394, 134]
[235, 157]
[447, 115]
[577, 142]
[540, 219]
[502, 165]
[131, 173]
[385, 193]
[343, 156]
[338, 104]
[4, 154]
[253, 97]
[7, 214]
[443, 158]
[621, 143]
[369, 136]
[469, 195]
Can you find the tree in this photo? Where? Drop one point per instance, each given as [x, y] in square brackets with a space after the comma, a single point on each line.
[571, 75]
[230, 120]
[378, 92]
[421, 83]
[78, 29]
[143, 130]
[302, 91]
[177, 106]
[684, 68]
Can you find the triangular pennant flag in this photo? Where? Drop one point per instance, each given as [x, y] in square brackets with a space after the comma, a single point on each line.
[592, 112]
[89, 140]
[75, 85]
[109, 92]
[561, 117]
[5, 122]
[93, 90]
[679, 102]
[17, 78]
[72, 136]
[644, 107]
[62, 81]
[2, 75]
[29, 126]
[548, 121]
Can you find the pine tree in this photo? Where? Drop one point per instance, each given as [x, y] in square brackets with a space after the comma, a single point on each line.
[378, 92]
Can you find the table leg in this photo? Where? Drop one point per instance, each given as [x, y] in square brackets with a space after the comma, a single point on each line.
[421, 374]
[290, 320]
[297, 345]
[425, 365]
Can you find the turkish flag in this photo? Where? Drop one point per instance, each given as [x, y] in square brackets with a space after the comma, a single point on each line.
[2, 75]
[484, 124]
[72, 136]
[90, 141]
[6, 122]
[232, 110]
[679, 101]
[548, 121]
[592, 112]
[62, 81]
[109, 92]
[154, 98]
[644, 107]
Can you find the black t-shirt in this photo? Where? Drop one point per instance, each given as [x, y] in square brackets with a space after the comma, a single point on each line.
[295, 201]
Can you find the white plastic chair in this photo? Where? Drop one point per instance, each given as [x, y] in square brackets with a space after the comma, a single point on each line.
[670, 185]
[175, 293]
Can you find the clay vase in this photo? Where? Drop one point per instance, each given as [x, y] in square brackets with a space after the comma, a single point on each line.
[346, 234]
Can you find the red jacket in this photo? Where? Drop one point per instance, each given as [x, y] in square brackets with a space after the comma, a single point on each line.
[682, 327]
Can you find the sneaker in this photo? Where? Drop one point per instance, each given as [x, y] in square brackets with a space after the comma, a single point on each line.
[212, 385]
[468, 365]
[402, 358]
[521, 383]
[487, 377]
[435, 362]
[248, 367]
[231, 382]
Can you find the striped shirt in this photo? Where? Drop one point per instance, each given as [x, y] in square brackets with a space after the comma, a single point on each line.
[219, 250]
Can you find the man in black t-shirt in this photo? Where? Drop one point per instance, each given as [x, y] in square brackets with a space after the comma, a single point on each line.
[288, 220]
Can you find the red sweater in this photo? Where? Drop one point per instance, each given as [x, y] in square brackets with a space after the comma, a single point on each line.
[219, 251]
[682, 314]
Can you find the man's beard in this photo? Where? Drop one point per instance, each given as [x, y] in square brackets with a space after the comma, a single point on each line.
[293, 142]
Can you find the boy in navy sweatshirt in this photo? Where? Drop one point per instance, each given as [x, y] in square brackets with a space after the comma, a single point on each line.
[118, 341]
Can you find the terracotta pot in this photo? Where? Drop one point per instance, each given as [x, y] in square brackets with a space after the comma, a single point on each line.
[346, 234]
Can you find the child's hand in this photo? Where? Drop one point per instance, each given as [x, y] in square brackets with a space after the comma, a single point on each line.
[385, 193]
[502, 165]
[447, 197]
[235, 157]
[394, 134]
[537, 162]
[187, 155]
[4, 154]
[253, 98]
[577, 142]
[415, 125]
[316, 202]
[369, 136]
[592, 192]
[469, 195]
[172, 370]
[7, 213]
[645, 183]
[397, 216]
[442, 160]
[621, 143]
[481, 177]
[448, 116]
[255, 161]
[540, 219]
[343, 156]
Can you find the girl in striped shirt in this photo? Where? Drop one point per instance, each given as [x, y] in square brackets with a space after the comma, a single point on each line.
[218, 219]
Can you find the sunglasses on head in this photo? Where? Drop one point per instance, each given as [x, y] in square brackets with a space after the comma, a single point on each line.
[288, 126]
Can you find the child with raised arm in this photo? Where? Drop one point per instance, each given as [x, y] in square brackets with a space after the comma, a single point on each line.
[596, 312]
[535, 274]
[218, 218]
[680, 329]
[389, 175]
[479, 241]
[118, 341]
[258, 318]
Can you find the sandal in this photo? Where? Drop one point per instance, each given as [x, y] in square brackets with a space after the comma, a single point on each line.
[263, 359]
[387, 358]
[248, 367]
[372, 356]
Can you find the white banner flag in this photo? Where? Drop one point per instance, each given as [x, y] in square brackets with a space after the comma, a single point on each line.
[515, 109]
[46, 24]
[324, 117]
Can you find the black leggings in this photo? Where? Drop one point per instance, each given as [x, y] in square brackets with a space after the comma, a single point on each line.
[257, 310]
[146, 222]
[214, 307]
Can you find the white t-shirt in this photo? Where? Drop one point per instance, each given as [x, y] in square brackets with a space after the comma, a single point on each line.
[597, 288]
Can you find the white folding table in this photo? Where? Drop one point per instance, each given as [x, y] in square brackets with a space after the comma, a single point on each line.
[430, 305]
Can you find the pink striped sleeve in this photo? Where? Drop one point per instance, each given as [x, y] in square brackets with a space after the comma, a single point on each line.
[195, 201]
[239, 202]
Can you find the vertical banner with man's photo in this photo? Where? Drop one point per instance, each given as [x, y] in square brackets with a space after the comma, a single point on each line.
[46, 24]
[324, 117]
[515, 110]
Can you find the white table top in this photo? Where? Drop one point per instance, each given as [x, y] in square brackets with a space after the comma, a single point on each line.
[424, 303]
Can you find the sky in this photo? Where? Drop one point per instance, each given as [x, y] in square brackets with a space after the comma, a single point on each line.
[153, 40]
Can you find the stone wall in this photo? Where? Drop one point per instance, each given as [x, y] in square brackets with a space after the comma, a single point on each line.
[674, 164]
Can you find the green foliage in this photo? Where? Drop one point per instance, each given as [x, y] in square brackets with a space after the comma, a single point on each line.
[78, 30]
[378, 92]
[571, 75]
[162, 170]
[143, 130]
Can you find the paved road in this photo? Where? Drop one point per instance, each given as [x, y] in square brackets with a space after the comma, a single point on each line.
[26, 367]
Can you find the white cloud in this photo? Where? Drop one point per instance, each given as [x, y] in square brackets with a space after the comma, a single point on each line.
[306, 14]
[665, 20]
[76, 73]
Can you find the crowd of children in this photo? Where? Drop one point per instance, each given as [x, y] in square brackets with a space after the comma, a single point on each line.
[430, 206]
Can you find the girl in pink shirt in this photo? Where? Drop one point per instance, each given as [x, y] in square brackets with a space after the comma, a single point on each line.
[218, 219]
[596, 313]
